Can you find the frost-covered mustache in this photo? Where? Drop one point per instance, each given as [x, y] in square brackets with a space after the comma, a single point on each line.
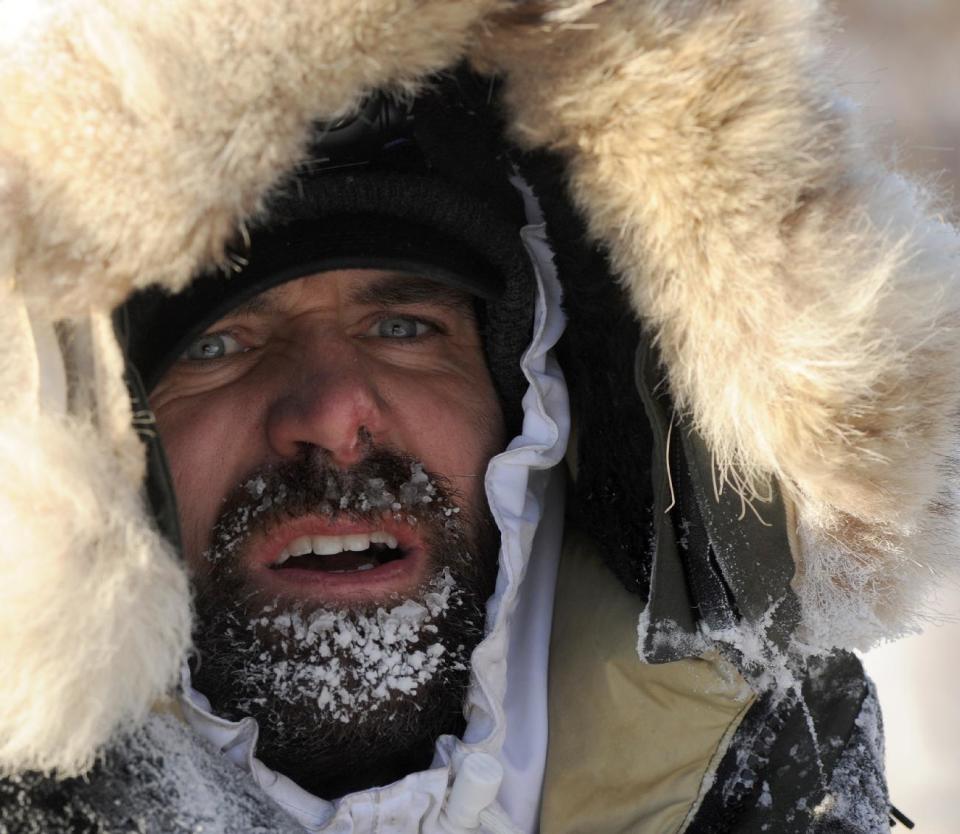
[385, 482]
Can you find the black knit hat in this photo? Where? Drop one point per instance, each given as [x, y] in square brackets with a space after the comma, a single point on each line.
[422, 188]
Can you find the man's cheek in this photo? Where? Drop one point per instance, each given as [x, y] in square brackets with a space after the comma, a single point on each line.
[196, 473]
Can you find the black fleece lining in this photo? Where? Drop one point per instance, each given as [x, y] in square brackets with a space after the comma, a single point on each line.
[613, 495]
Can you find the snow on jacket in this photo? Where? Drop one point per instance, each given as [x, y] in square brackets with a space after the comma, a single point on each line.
[782, 392]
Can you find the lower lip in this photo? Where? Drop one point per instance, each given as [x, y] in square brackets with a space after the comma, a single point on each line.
[386, 580]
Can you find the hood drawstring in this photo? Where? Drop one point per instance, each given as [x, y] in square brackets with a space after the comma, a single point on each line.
[471, 804]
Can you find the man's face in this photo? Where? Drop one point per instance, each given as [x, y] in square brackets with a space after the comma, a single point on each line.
[328, 442]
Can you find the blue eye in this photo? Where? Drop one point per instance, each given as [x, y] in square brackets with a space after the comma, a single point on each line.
[212, 346]
[400, 327]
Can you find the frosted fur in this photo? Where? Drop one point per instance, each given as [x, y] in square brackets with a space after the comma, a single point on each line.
[94, 610]
[93, 606]
[99, 98]
[216, 95]
[803, 298]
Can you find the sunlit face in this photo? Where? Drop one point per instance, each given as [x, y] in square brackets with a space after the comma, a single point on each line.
[332, 366]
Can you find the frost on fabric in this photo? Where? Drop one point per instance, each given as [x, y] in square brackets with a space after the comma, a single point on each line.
[765, 665]
[766, 799]
[767, 670]
[365, 658]
[835, 783]
[162, 779]
[856, 799]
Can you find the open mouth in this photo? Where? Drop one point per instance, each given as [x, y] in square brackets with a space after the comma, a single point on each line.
[349, 553]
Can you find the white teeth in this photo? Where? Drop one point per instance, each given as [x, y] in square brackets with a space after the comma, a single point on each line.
[356, 542]
[384, 538]
[330, 545]
[301, 546]
[327, 545]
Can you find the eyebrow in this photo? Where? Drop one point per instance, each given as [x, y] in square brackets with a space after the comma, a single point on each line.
[396, 290]
[260, 304]
[391, 290]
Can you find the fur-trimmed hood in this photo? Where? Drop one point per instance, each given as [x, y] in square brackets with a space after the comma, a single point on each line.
[800, 296]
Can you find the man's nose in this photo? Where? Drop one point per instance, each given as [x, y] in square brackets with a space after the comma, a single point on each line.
[333, 406]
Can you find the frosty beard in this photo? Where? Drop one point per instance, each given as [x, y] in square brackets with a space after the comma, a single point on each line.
[348, 698]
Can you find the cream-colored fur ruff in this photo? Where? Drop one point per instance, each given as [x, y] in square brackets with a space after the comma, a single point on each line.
[802, 296]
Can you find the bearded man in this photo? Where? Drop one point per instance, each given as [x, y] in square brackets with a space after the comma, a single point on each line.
[342, 555]
[540, 400]
[329, 415]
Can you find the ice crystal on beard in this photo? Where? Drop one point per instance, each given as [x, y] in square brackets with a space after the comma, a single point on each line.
[419, 489]
[361, 660]
[235, 529]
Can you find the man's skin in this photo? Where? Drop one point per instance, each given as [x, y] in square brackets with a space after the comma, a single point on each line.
[339, 362]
